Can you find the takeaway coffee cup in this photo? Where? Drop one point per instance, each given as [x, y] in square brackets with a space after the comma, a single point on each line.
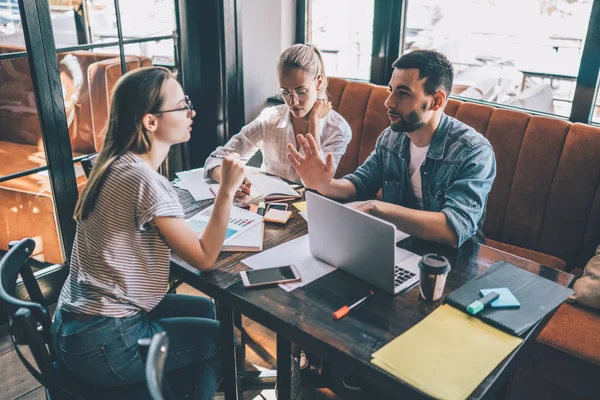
[434, 269]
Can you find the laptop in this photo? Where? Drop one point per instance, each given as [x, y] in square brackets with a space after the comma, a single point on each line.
[359, 244]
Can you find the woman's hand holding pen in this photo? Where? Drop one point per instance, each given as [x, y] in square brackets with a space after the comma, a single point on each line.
[232, 174]
[244, 189]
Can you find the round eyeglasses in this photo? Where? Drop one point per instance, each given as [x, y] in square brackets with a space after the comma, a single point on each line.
[189, 106]
[300, 95]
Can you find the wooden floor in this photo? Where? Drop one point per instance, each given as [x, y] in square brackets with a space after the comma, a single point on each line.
[17, 383]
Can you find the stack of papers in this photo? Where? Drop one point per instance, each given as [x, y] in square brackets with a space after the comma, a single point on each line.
[446, 355]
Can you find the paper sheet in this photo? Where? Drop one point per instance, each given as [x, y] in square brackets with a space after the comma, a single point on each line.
[446, 355]
[295, 252]
[193, 181]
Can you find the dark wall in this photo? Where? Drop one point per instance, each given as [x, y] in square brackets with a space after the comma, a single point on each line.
[211, 72]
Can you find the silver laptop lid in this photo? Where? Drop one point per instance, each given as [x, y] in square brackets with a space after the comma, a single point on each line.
[358, 243]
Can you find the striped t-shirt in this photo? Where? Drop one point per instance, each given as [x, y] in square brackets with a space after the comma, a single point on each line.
[120, 265]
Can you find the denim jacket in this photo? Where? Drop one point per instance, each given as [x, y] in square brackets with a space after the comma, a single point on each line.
[456, 176]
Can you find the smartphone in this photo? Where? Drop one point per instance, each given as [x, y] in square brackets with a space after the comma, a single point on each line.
[270, 276]
[278, 206]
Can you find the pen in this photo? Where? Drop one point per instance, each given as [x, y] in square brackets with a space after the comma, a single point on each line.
[346, 309]
[261, 208]
[219, 156]
[480, 304]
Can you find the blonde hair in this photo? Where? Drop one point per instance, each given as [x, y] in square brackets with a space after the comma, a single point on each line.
[136, 94]
[306, 57]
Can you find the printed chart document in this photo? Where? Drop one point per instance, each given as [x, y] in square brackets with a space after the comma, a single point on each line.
[240, 221]
[295, 252]
[193, 181]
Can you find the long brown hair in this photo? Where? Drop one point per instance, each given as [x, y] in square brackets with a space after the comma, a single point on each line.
[306, 57]
[136, 94]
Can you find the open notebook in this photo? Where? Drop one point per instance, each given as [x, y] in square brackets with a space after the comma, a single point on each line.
[264, 188]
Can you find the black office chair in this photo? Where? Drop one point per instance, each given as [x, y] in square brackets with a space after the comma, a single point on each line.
[154, 353]
[29, 323]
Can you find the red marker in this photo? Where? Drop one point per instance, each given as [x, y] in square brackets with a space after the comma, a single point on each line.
[346, 309]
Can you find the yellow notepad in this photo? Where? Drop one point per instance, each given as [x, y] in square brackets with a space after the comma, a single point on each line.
[446, 355]
[301, 205]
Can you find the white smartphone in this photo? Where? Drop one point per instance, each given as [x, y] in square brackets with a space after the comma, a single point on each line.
[270, 276]
[277, 206]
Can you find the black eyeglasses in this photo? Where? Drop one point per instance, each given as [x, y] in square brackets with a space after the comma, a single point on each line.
[188, 106]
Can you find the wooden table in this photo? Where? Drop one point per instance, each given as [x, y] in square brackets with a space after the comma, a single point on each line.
[304, 315]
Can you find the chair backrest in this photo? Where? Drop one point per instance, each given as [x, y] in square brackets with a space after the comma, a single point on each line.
[154, 353]
[87, 164]
[29, 320]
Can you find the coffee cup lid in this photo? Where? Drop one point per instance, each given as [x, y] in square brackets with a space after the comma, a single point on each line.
[434, 264]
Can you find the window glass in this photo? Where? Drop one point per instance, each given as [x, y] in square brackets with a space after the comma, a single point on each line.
[21, 145]
[596, 111]
[11, 32]
[524, 53]
[160, 52]
[343, 31]
[76, 22]
[147, 18]
[26, 204]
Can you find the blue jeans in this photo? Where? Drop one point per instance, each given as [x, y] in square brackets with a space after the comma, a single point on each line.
[103, 351]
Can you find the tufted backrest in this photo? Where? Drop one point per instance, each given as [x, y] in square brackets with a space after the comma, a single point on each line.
[546, 194]
[102, 77]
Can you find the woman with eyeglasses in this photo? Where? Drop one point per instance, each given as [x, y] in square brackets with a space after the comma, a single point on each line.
[128, 220]
[303, 86]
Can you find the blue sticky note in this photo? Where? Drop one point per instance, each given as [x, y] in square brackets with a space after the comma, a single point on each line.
[506, 299]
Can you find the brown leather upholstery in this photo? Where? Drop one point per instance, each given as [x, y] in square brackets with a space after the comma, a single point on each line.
[541, 258]
[545, 202]
[569, 322]
[102, 77]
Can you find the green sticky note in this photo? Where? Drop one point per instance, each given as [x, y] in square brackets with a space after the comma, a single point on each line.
[506, 300]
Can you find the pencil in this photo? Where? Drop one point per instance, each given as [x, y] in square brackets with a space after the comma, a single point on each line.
[222, 157]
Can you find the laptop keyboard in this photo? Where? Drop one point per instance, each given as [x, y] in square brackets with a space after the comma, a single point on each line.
[401, 275]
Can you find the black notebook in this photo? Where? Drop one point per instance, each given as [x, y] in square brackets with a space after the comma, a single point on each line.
[537, 295]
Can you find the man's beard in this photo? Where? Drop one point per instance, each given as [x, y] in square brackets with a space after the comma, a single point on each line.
[409, 124]
[412, 122]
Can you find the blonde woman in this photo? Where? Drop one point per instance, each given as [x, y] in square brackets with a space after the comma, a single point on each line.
[303, 86]
[128, 221]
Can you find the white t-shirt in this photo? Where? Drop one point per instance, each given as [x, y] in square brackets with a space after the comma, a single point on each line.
[417, 156]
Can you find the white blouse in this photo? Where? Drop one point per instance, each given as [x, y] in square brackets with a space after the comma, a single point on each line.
[272, 131]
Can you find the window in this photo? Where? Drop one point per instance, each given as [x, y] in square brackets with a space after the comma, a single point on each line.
[91, 47]
[343, 31]
[596, 111]
[523, 53]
